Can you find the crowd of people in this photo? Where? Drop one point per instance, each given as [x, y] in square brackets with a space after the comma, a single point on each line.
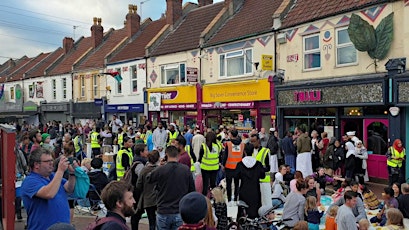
[156, 171]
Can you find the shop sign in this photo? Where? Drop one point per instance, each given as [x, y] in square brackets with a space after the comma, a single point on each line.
[191, 74]
[305, 96]
[154, 101]
[54, 107]
[176, 95]
[177, 106]
[98, 102]
[266, 62]
[137, 108]
[254, 90]
[292, 58]
[230, 105]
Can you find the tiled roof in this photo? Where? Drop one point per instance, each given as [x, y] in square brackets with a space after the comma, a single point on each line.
[65, 66]
[18, 74]
[254, 17]
[310, 10]
[38, 70]
[96, 59]
[19, 64]
[187, 35]
[136, 48]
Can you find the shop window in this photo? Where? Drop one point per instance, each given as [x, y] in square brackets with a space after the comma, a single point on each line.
[236, 63]
[312, 53]
[173, 74]
[353, 111]
[346, 52]
[118, 84]
[12, 93]
[54, 87]
[95, 85]
[134, 79]
[64, 88]
[82, 79]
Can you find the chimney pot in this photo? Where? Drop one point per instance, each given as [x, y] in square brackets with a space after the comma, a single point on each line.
[133, 21]
[173, 11]
[97, 32]
[130, 6]
[135, 8]
[68, 44]
[95, 20]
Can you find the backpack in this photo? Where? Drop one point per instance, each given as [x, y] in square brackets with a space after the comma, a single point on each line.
[130, 176]
[101, 221]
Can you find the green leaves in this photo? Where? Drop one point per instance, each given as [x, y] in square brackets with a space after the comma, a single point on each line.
[362, 34]
[365, 38]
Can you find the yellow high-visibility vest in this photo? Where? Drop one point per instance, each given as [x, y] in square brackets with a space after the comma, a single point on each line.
[210, 159]
[94, 140]
[396, 154]
[192, 164]
[261, 156]
[120, 170]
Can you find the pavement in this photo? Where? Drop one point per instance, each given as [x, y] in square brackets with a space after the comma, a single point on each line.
[83, 217]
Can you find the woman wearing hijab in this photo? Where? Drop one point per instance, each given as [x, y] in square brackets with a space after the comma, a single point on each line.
[396, 156]
[361, 155]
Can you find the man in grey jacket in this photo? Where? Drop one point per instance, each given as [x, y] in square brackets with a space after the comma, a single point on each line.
[358, 210]
[159, 137]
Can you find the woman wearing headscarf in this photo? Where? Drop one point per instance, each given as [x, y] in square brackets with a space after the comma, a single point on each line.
[396, 157]
[361, 155]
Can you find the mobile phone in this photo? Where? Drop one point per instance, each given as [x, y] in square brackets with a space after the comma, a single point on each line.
[71, 160]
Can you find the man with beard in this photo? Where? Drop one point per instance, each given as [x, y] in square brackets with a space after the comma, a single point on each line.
[118, 199]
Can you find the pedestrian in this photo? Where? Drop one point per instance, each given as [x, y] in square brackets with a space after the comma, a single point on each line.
[403, 200]
[193, 209]
[159, 139]
[361, 155]
[118, 199]
[209, 162]
[96, 142]
[317, 145]
[250, 171]
[124, 158]
[262, 155]
[396, 156]
[345, 214]
[272, 145]
[303, 161]
[389, 202]
[350, 160]
[147, 200]
[233, 154]
[97, 178]
[44, 192]
[220, 208]
[35, 138]
[289, 150]
[116, 123]
[184, 157]
[330, 223]
[294, 204]
[172, 180]
[312, 213]
[394, 220]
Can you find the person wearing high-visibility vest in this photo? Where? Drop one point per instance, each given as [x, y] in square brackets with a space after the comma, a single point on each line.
[233, 154]
[262, 155]
[120, 138]
[96, 142]
[124, 158]
[209, 161]
[79, 154]
[396, 156]
[172, 134]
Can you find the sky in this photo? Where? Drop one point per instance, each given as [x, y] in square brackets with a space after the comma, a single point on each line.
[30, 27]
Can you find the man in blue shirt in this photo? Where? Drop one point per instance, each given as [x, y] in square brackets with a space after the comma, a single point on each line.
[188, 136]
[44, 192]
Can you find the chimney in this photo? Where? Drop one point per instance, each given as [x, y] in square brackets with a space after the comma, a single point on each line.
[67, 43]
[133, 21]
[205, 2]
[97, 32]
[173, 11]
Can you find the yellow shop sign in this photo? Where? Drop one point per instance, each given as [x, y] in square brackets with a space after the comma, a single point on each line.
[176, 95]
[252, 90]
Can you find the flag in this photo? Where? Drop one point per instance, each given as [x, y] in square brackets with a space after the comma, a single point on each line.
[115, 75]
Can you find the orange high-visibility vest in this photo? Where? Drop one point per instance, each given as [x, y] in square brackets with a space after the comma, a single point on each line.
[235, 154]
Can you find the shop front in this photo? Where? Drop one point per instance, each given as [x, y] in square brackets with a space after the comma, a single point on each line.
[55, 112]
[174, 105]
[337, 106]
[130, 114]
[244, 104]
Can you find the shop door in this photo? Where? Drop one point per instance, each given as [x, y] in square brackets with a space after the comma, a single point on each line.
[190, 121]
[375, 139]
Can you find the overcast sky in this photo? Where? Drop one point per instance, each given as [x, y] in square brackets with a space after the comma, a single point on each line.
[30, 27]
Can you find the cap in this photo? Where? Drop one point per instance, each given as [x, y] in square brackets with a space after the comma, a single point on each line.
[44, 136]
[193, 208]
[272, 129]
[351, 133]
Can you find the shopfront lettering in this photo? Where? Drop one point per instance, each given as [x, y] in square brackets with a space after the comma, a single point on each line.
[177, 106]
[123, 108]
[305, 96]
[169, 95]
[234, 94]
[230, 105]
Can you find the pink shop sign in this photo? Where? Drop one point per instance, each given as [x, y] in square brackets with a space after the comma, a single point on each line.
[177, 106]
[228, 105]
[307, 96]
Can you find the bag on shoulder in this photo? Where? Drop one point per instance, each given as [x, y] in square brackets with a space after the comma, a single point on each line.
[285, 188]
[130, 176]
[101, 221]
[81, 183]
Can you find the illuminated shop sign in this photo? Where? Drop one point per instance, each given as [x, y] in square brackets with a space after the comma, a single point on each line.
[306, 96]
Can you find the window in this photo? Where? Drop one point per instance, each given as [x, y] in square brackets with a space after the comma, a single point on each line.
[54, 87]
[173, 74]
[12, 93]
[134, 79]
[346, 52]
[82, 79]
[312, 53]
[64, 88]
[118, 84]
[95, 85]
[236, 63]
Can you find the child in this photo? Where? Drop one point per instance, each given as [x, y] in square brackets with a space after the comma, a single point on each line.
[266, 212]
[45, 137]
[330, 223]
[390, 202]
[370, 199]
[364, 225]
[220, 208]
[340, 192]
[312, 213]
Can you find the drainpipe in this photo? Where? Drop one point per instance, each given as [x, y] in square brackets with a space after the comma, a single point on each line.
[199, 95]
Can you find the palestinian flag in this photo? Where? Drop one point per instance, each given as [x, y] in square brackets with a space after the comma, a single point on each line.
[115, 75]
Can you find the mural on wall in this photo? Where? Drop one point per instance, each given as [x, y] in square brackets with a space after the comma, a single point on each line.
[153, 76]
[39, 90]
[366, 38]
